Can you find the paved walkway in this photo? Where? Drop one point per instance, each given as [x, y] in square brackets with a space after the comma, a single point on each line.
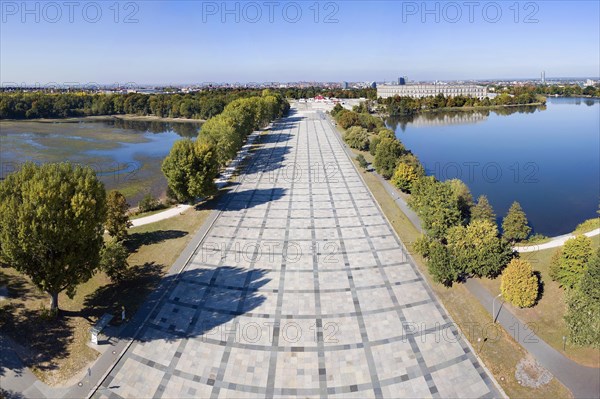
[555, 242]
[169, 213]
[300, 288]
[582, 381]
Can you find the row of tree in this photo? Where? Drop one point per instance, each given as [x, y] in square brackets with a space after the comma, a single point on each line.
[310, 92]
[198, 105]
[405, 106]
[191, 166]
[566, 90]
[461, 237]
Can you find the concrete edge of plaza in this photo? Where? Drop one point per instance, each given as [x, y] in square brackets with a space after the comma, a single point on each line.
[349, 154]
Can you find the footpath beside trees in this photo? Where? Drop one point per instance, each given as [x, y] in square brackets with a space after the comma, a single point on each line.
[51, 225]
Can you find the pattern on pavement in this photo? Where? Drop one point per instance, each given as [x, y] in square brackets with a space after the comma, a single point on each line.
[300, 288]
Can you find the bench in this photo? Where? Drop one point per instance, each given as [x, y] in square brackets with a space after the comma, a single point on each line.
[99, 326]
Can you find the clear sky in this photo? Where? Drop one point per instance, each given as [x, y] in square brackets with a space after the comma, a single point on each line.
[204, 41]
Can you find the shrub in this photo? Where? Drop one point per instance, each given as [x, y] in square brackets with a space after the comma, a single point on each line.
[117, 220]
[357, 137]
[149, 204]
[113, 260]
[362, 161]
[519, 286]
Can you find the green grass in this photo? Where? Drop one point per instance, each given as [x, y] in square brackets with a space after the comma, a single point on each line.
[548, 314]
[501, 355]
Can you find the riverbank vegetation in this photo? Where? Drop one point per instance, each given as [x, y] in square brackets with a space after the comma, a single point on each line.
[406, 106]
[461, 238]
[562, 90]
[39, 104]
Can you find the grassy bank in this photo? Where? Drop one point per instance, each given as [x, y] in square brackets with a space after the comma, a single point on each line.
[501, 355]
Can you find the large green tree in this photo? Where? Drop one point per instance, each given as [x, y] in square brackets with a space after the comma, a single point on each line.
[117, 219]
[52, 224]
[387, 156]
[221, 132]
[190, 169]
[464, 198]
[483, 210]
[515, 226]
[113, 260]
[583, 307]
[519, 285]
[405, 176]
[439, 264]
[477, 250]
[436, 205]
[570, 262]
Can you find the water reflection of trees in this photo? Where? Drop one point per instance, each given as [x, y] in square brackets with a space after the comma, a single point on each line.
[455, 117]
[184, 129]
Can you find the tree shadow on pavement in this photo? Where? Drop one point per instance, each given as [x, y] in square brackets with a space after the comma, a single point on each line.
[197, 301]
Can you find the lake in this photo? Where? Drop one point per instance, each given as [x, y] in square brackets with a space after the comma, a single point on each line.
[547, 158]
[125, 154]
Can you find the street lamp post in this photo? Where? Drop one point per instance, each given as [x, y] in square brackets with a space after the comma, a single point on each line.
[494, 307]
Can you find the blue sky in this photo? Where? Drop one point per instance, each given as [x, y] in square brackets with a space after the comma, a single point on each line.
[194, 41]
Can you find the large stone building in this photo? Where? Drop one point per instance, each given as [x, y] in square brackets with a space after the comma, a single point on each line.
[426, 90]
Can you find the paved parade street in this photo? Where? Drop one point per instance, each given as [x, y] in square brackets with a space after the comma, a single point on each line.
[299, 288]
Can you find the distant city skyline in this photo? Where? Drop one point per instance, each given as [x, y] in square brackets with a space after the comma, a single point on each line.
[193, 42]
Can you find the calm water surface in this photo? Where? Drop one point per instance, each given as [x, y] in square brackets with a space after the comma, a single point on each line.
[126, 155]
[547, 158]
